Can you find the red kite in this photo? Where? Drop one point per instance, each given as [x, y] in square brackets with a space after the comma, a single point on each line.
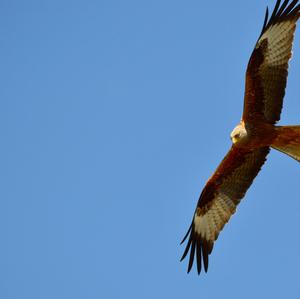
[253, 137]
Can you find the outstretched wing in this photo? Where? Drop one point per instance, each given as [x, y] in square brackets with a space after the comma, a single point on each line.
[219, 199]
[267, 69]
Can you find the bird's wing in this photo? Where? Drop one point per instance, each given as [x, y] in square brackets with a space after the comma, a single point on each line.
[219, 199]
[267, 69]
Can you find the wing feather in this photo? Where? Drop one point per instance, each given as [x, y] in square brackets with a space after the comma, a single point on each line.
[266, 79]
[199, 259]
[219, 199]
[267, 69]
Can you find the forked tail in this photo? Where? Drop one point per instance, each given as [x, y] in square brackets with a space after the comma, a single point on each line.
[288, 141]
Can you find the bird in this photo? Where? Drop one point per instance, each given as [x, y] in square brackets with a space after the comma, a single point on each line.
[253, 137]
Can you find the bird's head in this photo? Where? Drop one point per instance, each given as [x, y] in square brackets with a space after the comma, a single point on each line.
[239, 134]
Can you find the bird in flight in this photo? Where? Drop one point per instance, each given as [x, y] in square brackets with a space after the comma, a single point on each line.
[252, 138]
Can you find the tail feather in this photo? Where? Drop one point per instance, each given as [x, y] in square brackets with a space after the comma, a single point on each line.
[288, 141]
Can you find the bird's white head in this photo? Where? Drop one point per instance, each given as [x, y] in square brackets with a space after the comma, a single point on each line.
[239, 134]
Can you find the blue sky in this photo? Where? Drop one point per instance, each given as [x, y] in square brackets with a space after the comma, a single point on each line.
[113, 116]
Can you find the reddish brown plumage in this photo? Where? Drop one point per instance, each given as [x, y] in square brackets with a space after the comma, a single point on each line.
[288, 141]
[266, 78]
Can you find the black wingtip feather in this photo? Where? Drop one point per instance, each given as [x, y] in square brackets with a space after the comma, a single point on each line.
[282, 8]
[198, 253]
[186, 235]
[274, 14]
[265, 21]
[199, 247]
[192, 255]
[205, 255]
[290, 8]
[187, 248]
[280, 12]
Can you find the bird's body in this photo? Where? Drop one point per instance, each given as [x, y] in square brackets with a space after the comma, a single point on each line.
[253, 137]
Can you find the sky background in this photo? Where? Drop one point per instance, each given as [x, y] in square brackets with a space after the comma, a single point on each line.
[113, 115]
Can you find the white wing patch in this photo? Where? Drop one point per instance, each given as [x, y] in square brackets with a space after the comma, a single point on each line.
[279, 37]
[209, 224]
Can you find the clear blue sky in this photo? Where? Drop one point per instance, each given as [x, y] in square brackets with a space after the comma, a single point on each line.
[113, 114]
